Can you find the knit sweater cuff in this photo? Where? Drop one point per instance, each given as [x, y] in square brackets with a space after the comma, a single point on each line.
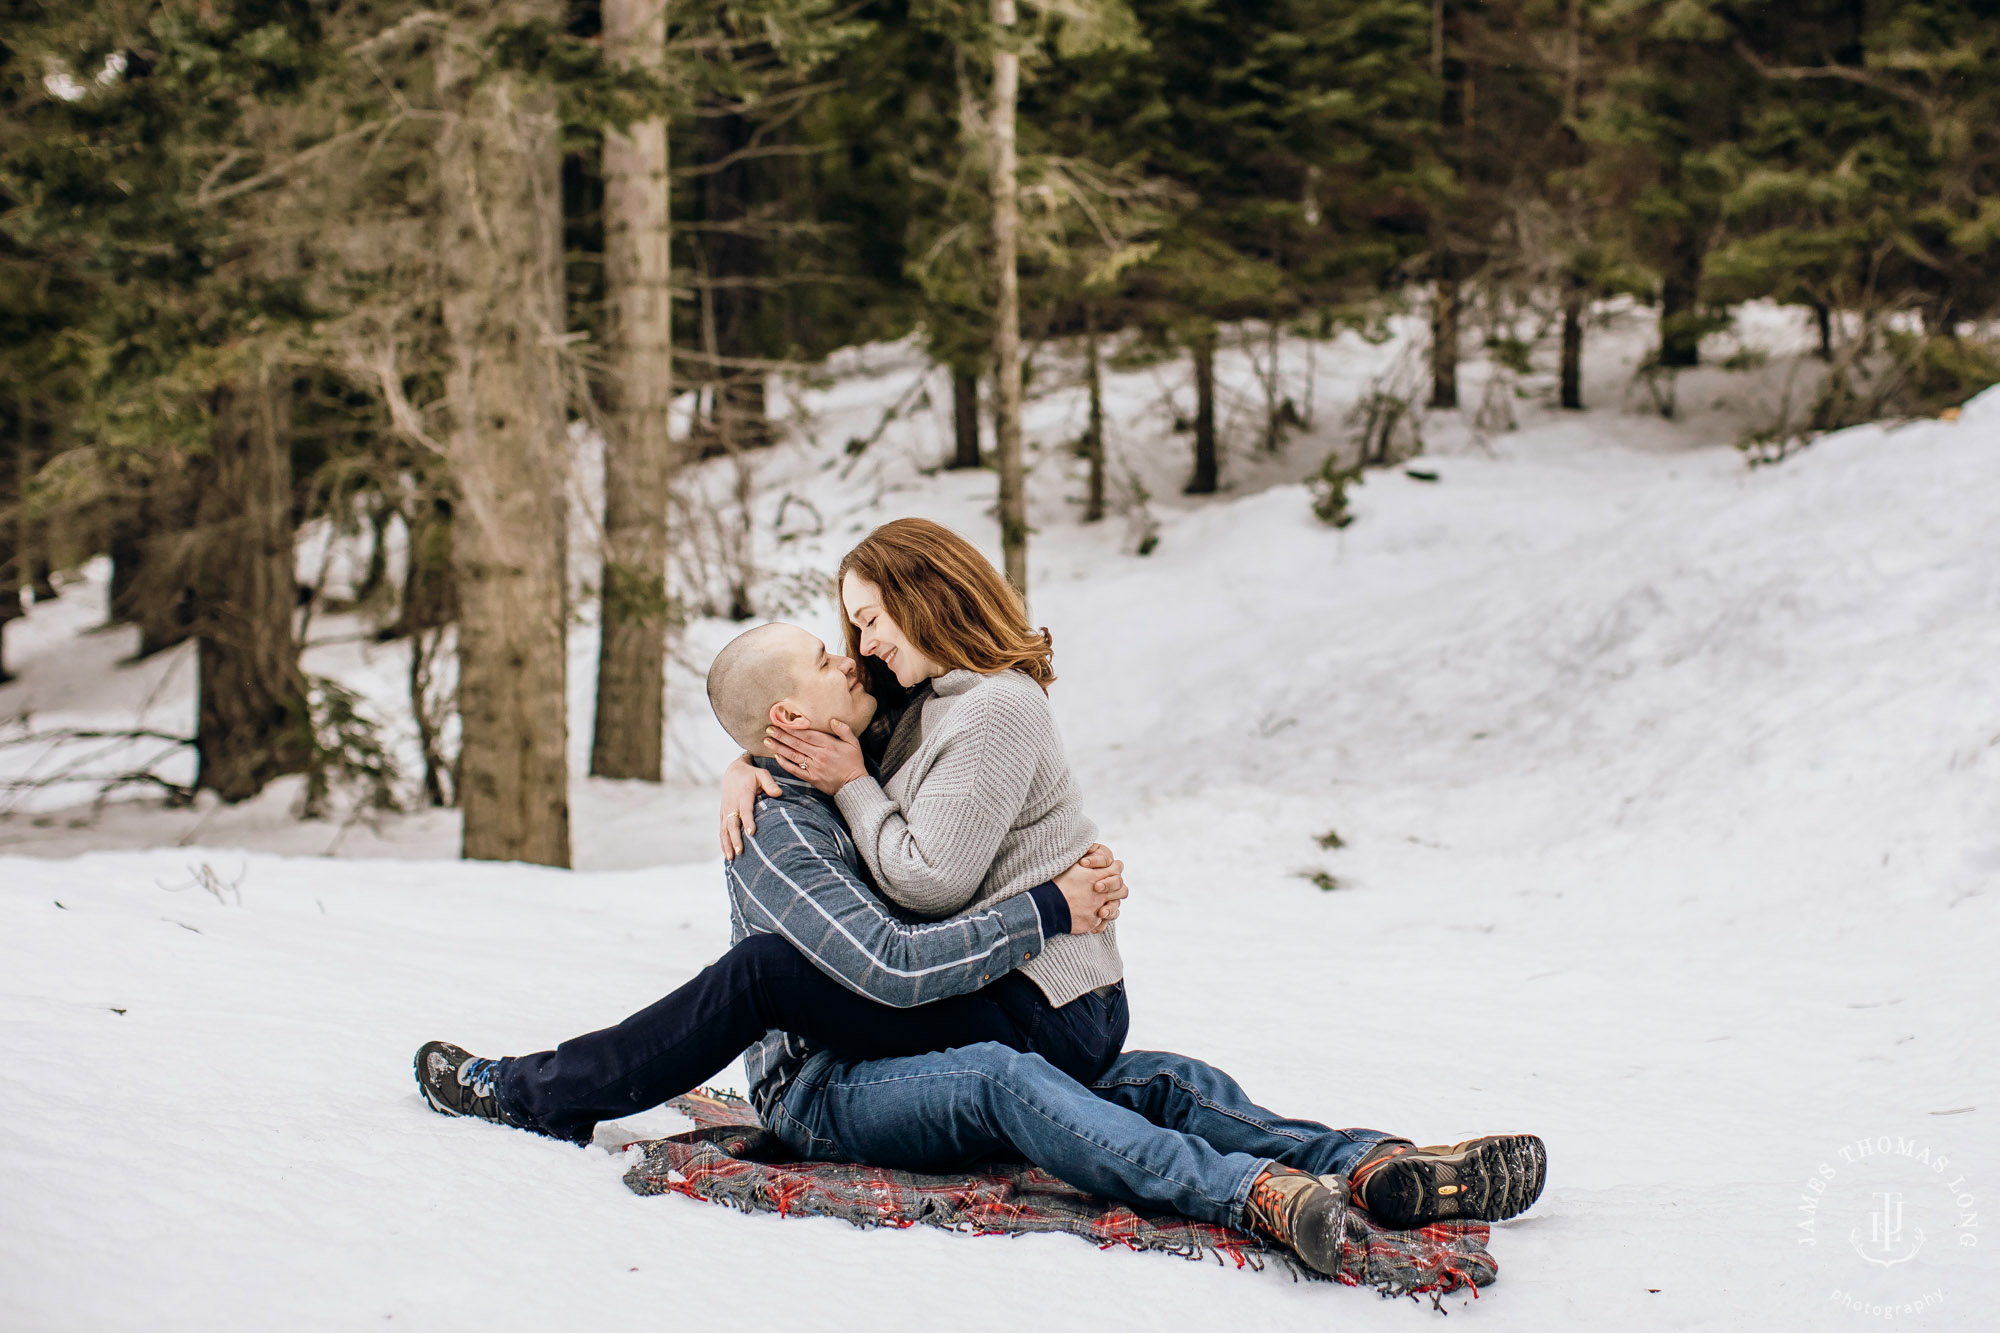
[865, 807]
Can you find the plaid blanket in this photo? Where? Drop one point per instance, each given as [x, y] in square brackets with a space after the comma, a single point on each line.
[734, 1160]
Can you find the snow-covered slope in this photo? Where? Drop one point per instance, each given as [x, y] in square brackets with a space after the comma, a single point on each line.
[1670, 796]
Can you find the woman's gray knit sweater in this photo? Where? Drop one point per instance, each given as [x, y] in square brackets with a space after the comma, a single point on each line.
[984, 809]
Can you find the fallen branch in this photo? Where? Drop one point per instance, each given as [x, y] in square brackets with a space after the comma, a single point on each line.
[205, 877]
[86, 734]
[77, 769]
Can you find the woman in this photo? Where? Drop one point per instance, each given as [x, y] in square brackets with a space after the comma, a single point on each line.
[972, 800]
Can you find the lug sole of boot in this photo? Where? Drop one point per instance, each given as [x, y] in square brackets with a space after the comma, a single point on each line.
[1486, 1179]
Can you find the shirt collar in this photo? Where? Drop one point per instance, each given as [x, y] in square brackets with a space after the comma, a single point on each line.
[795, 788]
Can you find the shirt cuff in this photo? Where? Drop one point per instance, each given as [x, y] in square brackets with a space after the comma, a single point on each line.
[1052, 907]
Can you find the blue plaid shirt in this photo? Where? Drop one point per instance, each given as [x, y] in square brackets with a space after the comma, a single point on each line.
[801, 877]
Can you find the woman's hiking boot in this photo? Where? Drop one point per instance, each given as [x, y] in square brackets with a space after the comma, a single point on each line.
[1305, 1213]
[1486, 1179]
[456, 1082]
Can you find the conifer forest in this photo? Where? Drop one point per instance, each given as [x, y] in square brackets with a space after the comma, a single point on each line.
[369, 268]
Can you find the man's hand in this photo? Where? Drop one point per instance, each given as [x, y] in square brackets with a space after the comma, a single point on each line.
[1093, 888]
[741, 782]
[828, 761]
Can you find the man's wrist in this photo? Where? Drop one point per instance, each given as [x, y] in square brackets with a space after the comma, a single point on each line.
[1052, 907]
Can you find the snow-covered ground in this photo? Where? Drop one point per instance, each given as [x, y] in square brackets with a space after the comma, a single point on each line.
[1670, 799]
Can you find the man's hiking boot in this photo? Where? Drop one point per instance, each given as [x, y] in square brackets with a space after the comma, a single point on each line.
[456, 1082]
[1487, 1180]
[1305, 1213]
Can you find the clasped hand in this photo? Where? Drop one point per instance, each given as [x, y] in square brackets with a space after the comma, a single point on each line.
[1093, 888]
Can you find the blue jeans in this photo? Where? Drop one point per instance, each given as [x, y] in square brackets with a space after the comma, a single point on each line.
[763, 983]
[1156, 1130]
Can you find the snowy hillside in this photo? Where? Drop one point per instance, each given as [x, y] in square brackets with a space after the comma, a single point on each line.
[1668, 795]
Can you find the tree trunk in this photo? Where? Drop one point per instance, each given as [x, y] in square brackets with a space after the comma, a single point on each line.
[742, 407]
[1444, 334]
[1093, 438]
[10, 604]
[430, 594]
[1823, 321]
[1274, 426]
[151, 545]
[1207, 470]
[1680, 331]
[376, 575]
[13, 445]
[638, 451]
[733, 259]
[1572, 344]
[1940, 315]
[31, 540]
[426, 711]
[965, 418]
[127, 554]
[251, 723]
[1453, 76]
[1007, 303]
[499, 249]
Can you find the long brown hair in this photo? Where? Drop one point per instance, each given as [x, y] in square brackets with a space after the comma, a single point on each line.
[948, 599]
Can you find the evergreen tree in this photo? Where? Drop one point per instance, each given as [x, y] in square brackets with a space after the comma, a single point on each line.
[1678, 95]
[153, 147]
[1866, 185]
[1297, 130]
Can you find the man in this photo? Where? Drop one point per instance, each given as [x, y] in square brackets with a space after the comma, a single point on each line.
[1151, 1128]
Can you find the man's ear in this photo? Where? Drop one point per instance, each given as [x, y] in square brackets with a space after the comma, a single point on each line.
[788, 717]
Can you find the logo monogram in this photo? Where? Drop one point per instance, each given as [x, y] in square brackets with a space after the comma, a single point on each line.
[1885, 1233]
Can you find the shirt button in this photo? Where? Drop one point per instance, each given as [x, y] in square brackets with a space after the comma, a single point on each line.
[987, 977]
[1026, 956]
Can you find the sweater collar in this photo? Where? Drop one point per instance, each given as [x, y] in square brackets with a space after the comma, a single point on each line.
[956, 681]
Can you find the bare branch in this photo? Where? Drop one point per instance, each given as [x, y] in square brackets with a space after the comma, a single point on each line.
[229, 159]
[379, 362]
[91, 734]
[398, 30]
[728, 160]
[205, 196]
[685, 285]
[732, 362]
[1868, 78]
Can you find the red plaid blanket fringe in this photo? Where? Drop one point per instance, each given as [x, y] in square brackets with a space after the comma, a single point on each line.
[732, 1159]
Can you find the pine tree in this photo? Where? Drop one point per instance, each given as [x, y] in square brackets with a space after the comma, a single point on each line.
[1677, 96]
[150, 172]
[1297, 131]
[1865, 185]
